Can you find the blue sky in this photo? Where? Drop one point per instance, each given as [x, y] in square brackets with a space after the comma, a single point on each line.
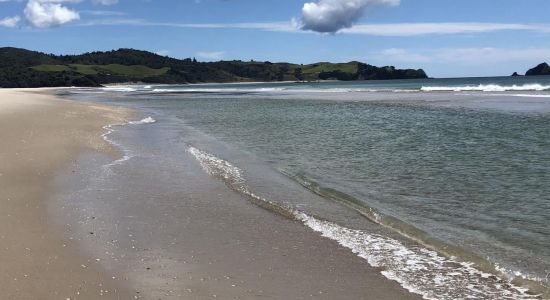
[445, 37]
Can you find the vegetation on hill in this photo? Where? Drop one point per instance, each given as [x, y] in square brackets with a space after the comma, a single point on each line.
[24, 68]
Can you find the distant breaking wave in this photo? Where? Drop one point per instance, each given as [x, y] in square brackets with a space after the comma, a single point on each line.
[525, 95]
[268, 90]
[216, 90]
[292, 89]
[125, 89]
[487, 88]
[418, 269]
[147, 120]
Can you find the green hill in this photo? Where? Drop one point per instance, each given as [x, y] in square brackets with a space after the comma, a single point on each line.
[24, 68]
[115, 69]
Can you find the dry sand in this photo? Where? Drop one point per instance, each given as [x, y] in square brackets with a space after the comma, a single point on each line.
[40, 135]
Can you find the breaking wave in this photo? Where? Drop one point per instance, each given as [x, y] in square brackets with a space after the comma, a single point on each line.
[119, 89]
[216, 90]
[148, 120]
[487, 88]
[418, 269]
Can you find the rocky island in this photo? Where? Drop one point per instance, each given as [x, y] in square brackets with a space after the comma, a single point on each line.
[542, 69]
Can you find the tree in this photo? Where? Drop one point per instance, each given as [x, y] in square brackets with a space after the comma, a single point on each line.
[298, 74]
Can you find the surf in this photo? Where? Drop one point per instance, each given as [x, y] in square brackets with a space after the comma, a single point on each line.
[417, 266]
[486, 88]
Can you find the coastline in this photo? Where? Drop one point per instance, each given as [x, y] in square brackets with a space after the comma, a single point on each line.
[219, 147]
[234, 250]
[41, 135]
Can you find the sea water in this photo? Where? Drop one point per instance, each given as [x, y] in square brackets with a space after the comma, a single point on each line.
[450, 177]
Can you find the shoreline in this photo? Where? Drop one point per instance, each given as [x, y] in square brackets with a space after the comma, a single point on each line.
[41, 135]
[218, 149]
[288, 260]
[201, 248]
[48, 137]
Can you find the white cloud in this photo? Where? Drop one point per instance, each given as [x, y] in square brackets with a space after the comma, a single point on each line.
[163, 52]
[385, 29]
[103, 13]
[10, 21]
[413, 29]
[290, 26]
[334, 15]
[214, 55]
[105, 2]
[49, 13]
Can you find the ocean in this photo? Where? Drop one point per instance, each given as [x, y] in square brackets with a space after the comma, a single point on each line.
[442, 183]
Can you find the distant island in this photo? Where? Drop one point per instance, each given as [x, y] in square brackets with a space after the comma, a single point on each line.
[25, 68]
[542, 69]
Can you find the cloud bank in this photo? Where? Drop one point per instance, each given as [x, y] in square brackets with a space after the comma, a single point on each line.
[329, 16]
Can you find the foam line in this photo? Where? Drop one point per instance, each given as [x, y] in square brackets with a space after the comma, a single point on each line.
[419, 270]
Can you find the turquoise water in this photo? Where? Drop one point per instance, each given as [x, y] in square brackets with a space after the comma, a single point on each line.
[473, 178]
[465, 162]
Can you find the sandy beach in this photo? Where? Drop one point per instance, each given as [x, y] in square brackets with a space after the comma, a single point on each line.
[317, 149]
[184, 244]
[40, 135]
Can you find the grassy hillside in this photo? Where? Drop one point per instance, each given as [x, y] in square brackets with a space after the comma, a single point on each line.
[114, 69]
[24, 68]
[317, 68]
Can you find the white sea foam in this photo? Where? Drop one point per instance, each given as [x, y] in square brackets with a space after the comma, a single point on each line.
[275, 89]
[126, 153]
[217, 167]
[216, 90]
[230, 174]
[165, 90]
[419, 270]
[337, 90]
[148, 120]
[487, 88]
[119, 89]
[527, 95]
[513, 274]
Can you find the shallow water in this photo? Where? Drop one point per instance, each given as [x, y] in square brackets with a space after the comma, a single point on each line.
[449, 169]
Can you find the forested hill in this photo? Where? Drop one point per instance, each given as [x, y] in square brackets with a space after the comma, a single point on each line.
[25, 68]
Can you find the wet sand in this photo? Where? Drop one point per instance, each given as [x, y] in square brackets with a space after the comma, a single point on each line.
[144, 238]
[39, 136]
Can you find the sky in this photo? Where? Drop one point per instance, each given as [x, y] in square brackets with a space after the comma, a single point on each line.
[447, 38]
